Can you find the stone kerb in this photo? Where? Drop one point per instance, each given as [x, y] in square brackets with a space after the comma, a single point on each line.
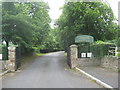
[73, 55]
[12, 58]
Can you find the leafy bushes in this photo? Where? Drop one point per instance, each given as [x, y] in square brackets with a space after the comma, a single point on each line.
[118, 42]
[4, 52]
[0, 49]
[118, 52]
[100, 49]
[25, 25]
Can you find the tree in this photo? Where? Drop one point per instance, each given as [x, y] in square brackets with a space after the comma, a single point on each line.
[25, 23]
[51, 42]
[86, 18]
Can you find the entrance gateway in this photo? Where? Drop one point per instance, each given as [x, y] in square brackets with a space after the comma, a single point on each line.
[84, 42]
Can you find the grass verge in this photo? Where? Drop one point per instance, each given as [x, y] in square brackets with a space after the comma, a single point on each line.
[119, 70]
[65, 54]
[40, 54]
[73, 70]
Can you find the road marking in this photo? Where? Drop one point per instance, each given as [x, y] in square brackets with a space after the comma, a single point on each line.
[97, 80]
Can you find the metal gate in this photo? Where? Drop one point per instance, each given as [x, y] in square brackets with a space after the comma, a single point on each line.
[83, 49]
[69, 57]
[18, 58]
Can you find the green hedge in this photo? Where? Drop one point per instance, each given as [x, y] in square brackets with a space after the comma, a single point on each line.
[0, 50]
[100, 50]
[118, 42]
[4, 52]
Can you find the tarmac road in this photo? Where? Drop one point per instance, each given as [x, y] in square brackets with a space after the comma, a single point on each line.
[107, 76]
[47, 71]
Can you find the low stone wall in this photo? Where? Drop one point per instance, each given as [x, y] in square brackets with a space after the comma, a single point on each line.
[109, 62]
[3, 65]
[106, 62]
[9, 64]
[88, 62]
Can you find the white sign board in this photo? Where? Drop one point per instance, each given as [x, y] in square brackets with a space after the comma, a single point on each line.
[83, 54]
[0, 56]
[89, 54]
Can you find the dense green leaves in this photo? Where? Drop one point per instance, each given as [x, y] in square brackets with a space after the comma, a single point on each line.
[100, 49]
[86, 18]
[25, 24]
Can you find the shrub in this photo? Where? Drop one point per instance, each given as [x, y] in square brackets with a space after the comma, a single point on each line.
[0, 49]
[100, 50]
[118, 42]
[119, 70]
[4, 53]
[118, 54]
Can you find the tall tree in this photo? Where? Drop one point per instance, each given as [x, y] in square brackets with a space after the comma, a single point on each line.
[86, 18]
[25, 23]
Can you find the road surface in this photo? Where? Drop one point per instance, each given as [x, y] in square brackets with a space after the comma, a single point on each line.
[47, 71]
[108, 76]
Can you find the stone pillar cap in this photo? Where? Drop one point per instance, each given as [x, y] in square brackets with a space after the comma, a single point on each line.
[11, 47]
[74, 46]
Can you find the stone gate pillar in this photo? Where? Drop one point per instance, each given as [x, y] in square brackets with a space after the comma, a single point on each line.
[73, 55]
[12, 58]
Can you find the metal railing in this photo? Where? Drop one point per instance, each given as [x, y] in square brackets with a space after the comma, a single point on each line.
[114, 51]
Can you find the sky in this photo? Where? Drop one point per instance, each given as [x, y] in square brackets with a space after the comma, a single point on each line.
[55, 12]
[54, 5]
[114, 5]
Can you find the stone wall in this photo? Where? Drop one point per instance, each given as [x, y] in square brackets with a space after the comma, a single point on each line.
[2, 65]
[88, 62]
[109, 62]
[106, 62]
[11, 63]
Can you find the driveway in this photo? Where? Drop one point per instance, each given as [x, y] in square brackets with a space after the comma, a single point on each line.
[47, 71]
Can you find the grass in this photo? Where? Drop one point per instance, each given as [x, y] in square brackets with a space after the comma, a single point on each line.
[73, 69]
[40, 54]
[119, 70]
[65, 54]
[118, 54]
